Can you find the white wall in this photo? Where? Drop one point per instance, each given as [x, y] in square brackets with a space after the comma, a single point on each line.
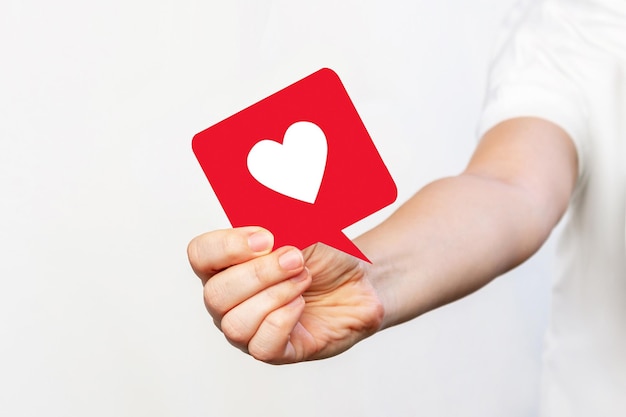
[100, 314]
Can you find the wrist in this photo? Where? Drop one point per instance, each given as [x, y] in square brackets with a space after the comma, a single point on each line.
[381, 274]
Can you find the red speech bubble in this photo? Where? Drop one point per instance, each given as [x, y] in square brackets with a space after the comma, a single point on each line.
[299, 163]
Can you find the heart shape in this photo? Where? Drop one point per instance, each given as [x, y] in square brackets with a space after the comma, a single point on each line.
[294, 168]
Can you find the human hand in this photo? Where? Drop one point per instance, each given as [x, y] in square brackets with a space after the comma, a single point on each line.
[285, 305]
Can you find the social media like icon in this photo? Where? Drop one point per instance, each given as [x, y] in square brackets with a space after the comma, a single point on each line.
[299, 163]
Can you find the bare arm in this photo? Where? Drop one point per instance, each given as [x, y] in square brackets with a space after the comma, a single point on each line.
[458, 233]
[451, 238]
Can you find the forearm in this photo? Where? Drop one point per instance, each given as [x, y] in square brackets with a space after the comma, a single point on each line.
[458, 233]
[450, 239]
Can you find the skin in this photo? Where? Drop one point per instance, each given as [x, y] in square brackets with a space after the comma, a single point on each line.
[450, 239]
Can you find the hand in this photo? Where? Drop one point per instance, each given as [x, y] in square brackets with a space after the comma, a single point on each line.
[285, 305]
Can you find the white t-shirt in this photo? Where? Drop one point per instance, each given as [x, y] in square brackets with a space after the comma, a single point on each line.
[565, 61]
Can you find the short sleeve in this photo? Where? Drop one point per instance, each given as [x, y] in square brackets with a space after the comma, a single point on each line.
[534, 75]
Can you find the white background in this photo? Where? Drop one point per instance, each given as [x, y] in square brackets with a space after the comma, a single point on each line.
[100, 314]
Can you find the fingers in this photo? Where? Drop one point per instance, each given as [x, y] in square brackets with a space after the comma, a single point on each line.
[236, 284]
[214, 251]
[261, 324]
[253, 294]
[272, 342]
[260, 302]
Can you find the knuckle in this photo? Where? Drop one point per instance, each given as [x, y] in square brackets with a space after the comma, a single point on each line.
[264, 272]
[214, 299]
[235, 331]
[231, 245]
[277, 294]
[265, 346]
[276, 323]
[259, 271]
[261, 353]
[192, 253]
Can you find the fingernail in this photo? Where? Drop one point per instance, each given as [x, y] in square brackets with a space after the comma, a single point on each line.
[260, 241]
[291, 260]
[302, 276]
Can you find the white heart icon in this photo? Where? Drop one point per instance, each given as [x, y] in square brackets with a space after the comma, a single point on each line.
[296, 167]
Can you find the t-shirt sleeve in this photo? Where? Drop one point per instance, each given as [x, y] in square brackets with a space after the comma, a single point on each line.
[534, 75]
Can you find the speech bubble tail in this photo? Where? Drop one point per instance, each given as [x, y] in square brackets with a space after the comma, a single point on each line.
[344, 244]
